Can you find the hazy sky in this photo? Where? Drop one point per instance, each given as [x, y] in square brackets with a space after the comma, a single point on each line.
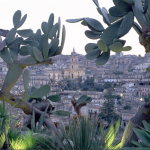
[39, 11]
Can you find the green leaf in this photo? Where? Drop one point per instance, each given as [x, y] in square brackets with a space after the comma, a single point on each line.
[74, 20]
[127, 48]
[93, 54]
[116, 47]
[126, 24]
[38, 38]
[112, 18]
[44, 27]
[16, 17]
[84, 23]
[61, 113]
[50, 22]
[28, 61]
[14, 52]
[53, 31]
[26, 79]
[91, 35]
[110, 33]
[139, 13]
[82, 99]
[119, 40]
[63, 38]
[94, 24]
[10, 35]
[24, 51]
[105, 17]
[33, 121]
[59, 27]
[103, 58]
[54, 47]
[2, 44]
[42, 117]
[16, 42]
[21, 21]
[146, 125]
[5, 55]
[90, 46]
[116, 12]
[122, 6]
[142, 136]
[54, 98]
[42, 91]
[25, 33]
[102, 45]
[138, 144]
[37, 54]
[89, 99]
[30, 50]
[44, 42]
[31, 43]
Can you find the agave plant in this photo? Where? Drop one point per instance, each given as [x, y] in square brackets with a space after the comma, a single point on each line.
[144, 137]
[81, 134]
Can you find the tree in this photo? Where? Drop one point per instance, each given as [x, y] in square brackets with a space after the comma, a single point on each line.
[120, 19]
[108, 110]
[36, 49]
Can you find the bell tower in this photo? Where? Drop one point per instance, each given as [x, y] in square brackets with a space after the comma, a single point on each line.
[74, 61]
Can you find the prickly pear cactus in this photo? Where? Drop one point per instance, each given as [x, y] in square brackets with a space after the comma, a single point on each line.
[120, 19]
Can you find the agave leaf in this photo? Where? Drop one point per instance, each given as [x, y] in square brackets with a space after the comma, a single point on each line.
[116, 12]
[142, 136]
[90, 46]
[28, 61]
[138, 144]
[21, 21]
[116, 47]
[91, 35]
[5, 55]
[96, 25]
[102, 45]
[146, 125]
[10, 35]
[16, 17]
[42, 91]
[33, 121]
[25, 32]
[61, 113]
[24, 51]
[126, 25]
[54, 47]
[54, 98]
[93, 54]
[103, 58]
[42, 117]
[122, 6]
[63, 38]
[50, 22]
[44, 41]
[53, 31]
[37, 54]
[44, 27]
[74, 20]
[82, 99]
[26, 79]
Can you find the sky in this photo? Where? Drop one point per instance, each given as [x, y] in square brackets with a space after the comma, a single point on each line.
[39, 11]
